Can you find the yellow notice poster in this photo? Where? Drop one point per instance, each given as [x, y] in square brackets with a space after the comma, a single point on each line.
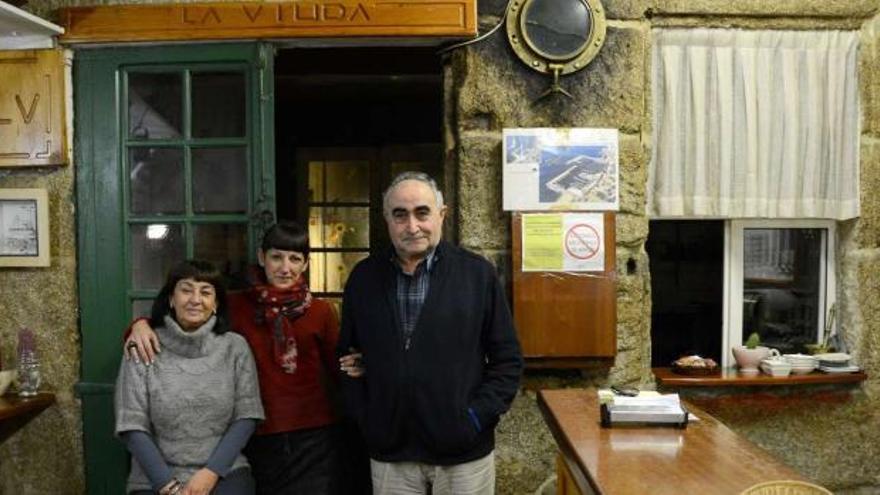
[541, 248]
[563, 242]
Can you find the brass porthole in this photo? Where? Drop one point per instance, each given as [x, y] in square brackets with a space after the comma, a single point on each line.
[556, 36]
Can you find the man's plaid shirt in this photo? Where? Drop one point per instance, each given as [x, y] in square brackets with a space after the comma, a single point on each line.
[411, 292]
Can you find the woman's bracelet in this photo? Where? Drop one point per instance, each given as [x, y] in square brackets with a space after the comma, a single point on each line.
[172, 488]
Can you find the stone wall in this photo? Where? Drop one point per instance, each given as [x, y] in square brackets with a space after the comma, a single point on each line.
[46, 455]
[826, 433]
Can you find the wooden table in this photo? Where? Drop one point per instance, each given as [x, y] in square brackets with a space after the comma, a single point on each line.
[16, 411]
[706, 457]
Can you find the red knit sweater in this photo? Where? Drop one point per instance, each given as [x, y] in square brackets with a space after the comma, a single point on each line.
[299, 400]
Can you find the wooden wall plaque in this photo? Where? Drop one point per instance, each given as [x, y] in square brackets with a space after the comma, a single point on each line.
[261, 20]
[563, 316]
[32, 128]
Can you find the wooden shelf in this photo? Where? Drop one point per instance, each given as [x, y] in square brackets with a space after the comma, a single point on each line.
[730, 377]
[16, 411]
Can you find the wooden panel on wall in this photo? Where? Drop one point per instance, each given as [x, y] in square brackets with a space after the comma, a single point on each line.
[32, 108]
[259, 20]
[566, 315]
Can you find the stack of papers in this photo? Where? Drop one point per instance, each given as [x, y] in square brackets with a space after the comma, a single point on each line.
[647, 407]
[649, 400]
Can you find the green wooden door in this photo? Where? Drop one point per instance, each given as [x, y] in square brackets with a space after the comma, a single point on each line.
[174, 155]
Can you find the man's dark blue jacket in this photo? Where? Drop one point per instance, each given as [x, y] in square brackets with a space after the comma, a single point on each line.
[439, 401]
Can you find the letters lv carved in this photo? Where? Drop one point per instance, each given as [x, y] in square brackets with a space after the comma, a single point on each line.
[26, 115]
[29, 142]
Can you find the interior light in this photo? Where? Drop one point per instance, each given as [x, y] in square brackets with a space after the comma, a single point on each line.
[157, 231]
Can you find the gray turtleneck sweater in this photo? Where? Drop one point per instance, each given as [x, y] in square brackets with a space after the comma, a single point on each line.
[200, 384]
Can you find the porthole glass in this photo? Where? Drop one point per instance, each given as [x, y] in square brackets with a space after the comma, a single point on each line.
[557, 29]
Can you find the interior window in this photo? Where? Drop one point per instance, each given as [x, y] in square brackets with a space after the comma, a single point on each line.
[782, 281]
[715, 282]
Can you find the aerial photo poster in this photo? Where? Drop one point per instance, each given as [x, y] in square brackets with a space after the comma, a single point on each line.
[560, 169]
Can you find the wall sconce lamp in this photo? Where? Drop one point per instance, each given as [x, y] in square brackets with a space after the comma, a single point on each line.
[556, 37]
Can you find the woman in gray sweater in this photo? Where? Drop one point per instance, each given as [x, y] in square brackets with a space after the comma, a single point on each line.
[186, 417]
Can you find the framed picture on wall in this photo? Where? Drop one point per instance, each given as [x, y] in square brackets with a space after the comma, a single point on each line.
[24, 227]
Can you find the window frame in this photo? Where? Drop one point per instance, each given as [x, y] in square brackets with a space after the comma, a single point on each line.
[733, 274]
[189, 219]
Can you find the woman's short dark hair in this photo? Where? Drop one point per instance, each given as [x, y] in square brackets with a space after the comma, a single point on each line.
[287, 235]
[200, 271]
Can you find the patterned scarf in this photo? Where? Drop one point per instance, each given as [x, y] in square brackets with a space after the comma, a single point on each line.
[278, 309]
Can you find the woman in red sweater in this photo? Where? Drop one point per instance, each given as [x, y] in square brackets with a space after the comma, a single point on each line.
[293, 338]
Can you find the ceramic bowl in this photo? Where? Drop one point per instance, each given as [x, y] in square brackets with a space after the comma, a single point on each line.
[6, 377]
[802, 369]
[776, 371]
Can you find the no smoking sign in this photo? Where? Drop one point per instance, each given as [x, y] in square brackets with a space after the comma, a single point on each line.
[582, 241]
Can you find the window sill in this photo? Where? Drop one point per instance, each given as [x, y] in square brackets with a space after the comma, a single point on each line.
[730, 377]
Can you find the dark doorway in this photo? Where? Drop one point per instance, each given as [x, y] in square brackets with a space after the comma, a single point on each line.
[347, 120]
[687, 289]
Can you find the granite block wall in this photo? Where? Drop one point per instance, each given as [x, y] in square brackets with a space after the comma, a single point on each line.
[46, 455]
[492, 90]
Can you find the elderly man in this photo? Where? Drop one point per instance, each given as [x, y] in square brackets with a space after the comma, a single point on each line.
[440, 356]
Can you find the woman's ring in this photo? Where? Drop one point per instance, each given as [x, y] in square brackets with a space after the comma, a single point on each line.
[131, 344]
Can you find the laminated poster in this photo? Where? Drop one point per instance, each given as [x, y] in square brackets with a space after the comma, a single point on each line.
[560, 169]
[563, 242]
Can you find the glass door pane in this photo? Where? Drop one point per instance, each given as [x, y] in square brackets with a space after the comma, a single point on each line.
[155, 105]
[782, 292]
[219, 180]
[155, 248]
[225, 245]
[219, 104]
[156, 178]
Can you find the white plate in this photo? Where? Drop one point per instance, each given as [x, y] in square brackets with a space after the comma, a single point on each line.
[839, 369]
[834, 357]
[802, 362]
[835, 364]
[798, 356]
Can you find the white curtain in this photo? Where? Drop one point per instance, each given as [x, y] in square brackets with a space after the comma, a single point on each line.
[755, 124]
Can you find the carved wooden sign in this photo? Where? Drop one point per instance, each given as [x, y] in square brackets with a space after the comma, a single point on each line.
[259, 20]
[32, 108]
